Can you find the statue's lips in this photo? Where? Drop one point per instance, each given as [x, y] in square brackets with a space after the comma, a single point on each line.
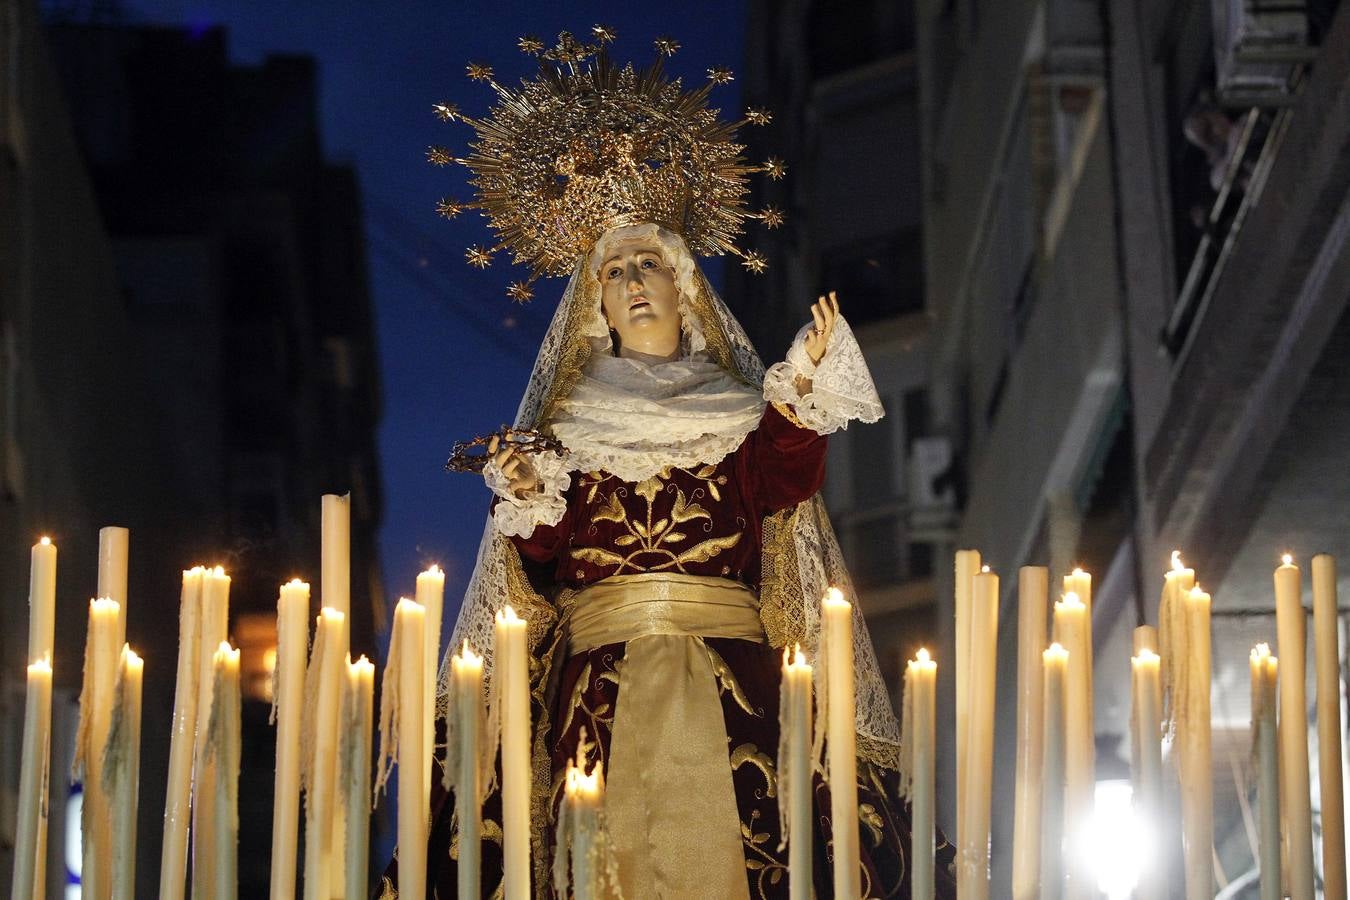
[638, 301]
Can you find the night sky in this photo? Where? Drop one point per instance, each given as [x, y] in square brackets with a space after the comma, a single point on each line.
[455, 352]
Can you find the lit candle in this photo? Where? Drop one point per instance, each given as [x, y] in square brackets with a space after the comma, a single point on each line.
[29, 865]
[288, 701]
[1295, 795]
[41, 600]
[1033, 602]
[1145, 638]
[1080, 582]
[967, 564]
[96, 705]
[336, 549]
[795, 794]
[1055, 663]
[1327, 662]
[1265, 681]
[1172, 634]
[1147, 741]
[511, 665]
[431, 594]
[177, 800]
[1071, 633]
[123, 769]
[466, 673]
[410, 621]
[918, 767]
[840, 739]
[324, 682]
[1197, 771]
[973, 862]
[358, 714]
[223, 750]
[583, 793]
[112, 572]
[213, 630]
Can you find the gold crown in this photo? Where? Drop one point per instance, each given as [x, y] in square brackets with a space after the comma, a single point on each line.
[588, 146]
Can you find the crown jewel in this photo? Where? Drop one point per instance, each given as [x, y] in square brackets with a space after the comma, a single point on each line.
[588, 146]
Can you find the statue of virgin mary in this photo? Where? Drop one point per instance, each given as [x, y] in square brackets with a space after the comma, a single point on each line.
[678, 542]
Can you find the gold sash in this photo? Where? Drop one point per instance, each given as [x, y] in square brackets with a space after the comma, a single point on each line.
[669, 801]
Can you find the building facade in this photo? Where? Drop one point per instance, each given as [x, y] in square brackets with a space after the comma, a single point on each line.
[188, 352]
[1133, 215]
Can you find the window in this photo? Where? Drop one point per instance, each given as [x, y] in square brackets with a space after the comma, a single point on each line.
[880, 278]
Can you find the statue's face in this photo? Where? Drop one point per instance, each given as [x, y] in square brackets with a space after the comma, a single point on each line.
[640, 299]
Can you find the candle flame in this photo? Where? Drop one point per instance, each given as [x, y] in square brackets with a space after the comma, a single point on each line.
[105, 605]
[1288, 559]
[43, 665]
[296, 582]
[922, 656]
[333, 617]
[1055, 651]
[218, 571]
[433, 569]
[44, 540]
[834, 595]
[1145, 655]
[1260, 651]
[1072, 599]
[1077, 570]
[1177, 564]
[984, 570]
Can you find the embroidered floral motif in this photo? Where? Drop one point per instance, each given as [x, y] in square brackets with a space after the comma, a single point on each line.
[649, 535]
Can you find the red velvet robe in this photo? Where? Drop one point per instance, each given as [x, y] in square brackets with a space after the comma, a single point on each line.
[700, 520]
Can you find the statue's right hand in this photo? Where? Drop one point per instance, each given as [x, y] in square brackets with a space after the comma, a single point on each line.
[515, 467]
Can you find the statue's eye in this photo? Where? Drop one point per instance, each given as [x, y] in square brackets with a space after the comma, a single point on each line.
[614, 272]
[649, 264]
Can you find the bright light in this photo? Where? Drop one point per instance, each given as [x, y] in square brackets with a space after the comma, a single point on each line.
[1116, 842]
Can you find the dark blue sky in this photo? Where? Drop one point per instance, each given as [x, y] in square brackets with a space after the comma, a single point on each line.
[455, 352]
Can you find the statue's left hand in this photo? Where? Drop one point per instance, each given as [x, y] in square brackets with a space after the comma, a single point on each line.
[825, 311]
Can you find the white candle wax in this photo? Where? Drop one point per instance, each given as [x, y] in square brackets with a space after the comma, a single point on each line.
[288, 713]
[410, 620]
[112, 572]
[41, 600]
[213, 630]
[1327, 662]
[27, 877]
[322, 842]
[1147, 739]
[96, 705]
[967, 564]
[798, 830]
[840, 740]
[1265, 687]
[1295, 797]
[466, 672]
[1055, 662]
[125, 785]
[223, 748]
[1033, 603]
[1197, 776]
[358, 718]
[1071, 632]
[973, 858]
[177, 800]
[511, 665]
[921, 683]
[583, 793]
[431, 594]
[335, 583]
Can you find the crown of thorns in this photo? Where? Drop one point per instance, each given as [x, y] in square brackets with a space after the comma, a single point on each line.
[588, 146]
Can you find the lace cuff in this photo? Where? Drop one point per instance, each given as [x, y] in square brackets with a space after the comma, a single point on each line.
[519, 516]
[841, 385]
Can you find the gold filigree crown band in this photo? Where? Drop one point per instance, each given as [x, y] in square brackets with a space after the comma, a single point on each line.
[588, 146]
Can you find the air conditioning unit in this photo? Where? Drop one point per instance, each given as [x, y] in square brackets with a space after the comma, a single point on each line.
[1256, 45]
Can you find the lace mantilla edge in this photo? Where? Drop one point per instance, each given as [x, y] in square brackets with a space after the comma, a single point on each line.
[518, 516]
[841, 385]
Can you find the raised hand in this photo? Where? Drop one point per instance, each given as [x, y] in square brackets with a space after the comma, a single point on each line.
[825, 311]
[515, 467]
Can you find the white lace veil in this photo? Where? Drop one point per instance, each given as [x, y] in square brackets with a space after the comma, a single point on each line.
[801, 556]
